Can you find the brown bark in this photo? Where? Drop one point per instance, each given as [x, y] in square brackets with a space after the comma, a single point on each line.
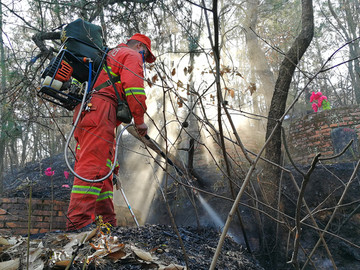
[271, 175]
[39, 39]
[282, 85]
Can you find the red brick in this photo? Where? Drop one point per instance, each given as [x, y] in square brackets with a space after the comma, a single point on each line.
[24, 231]
[18, 206]
[6, 206]
[9, 218]
[36, 218]
[8, 200]
[59, 226]
[41, 213]
[59, 219]
[61, 207]
[22, 200]
[17, 224]
[19, 212]
[41, 225]
[54, 218]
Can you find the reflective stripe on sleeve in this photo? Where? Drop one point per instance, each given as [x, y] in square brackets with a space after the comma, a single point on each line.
[134, 91]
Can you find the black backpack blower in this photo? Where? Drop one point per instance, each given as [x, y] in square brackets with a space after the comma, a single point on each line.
[62, 79]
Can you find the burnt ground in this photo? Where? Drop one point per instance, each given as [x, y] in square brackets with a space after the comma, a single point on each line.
[17, 181]
[326, 185]
[160, 240]
[146, 247]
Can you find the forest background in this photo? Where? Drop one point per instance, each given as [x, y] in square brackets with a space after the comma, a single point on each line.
[226, 71]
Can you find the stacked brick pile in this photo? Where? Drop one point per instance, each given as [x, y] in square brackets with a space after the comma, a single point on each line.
[46, 215]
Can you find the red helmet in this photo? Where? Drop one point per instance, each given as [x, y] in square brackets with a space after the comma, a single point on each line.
[144, 39]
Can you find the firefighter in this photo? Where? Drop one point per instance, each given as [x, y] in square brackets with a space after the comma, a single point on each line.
[95, 132]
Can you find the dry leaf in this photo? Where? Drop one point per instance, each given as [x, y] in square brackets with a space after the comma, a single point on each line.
[179, 102]
[239, 74]
[144, 255]
[92, 234]
[190, 69]
[114, 256]
[62, 263]
[252, 88]
[232, 93]
[34, 254]
[185, 71]
[173, 72]
[172, 267]
[180, 84]
[10, 265]
[4, 242]
[37, 265]
[154, 78]
[99, 253]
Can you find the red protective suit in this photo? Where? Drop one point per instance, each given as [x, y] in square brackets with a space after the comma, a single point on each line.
[95, 137]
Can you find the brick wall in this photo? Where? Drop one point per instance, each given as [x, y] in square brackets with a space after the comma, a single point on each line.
[14, 214]
[325, 132]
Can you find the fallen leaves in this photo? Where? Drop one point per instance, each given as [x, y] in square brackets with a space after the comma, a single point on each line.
[10, 265]
[90, 247]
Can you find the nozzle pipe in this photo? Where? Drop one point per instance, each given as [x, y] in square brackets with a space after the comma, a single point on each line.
[164, 156]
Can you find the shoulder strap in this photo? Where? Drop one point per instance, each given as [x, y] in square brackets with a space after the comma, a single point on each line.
[113, 83]
[107, 83]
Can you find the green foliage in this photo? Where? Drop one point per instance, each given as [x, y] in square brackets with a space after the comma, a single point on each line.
[326, 105]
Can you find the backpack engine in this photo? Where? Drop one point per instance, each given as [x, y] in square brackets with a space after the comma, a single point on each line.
[62, 80]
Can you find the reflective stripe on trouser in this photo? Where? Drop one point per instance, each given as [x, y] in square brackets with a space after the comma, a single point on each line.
[95, 136]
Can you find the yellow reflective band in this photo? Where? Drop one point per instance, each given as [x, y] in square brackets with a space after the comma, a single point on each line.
[108, 163]
[134, 91]
[105, 195]
[78, 147]
[86, 190]
[112, 73]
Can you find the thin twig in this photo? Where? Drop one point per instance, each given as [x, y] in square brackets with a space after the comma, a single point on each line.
[336, 208]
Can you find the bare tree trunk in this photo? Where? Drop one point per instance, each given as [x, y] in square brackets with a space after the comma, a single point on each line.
[350, 32]
[259, 66]
[271, 175]
[278, 102]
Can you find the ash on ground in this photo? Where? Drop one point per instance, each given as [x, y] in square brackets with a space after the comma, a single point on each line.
[146, 247]
[200, 245]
